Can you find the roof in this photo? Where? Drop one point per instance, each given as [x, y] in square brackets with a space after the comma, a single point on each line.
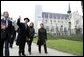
[53, 15]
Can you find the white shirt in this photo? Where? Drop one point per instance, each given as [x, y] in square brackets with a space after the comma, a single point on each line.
[6, 23]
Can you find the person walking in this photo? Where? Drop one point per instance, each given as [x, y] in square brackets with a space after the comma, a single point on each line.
[6, 31]
[30, 39]
[42, 37]
[23, 33]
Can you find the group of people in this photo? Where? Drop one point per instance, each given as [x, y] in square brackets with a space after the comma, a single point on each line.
[25, 35]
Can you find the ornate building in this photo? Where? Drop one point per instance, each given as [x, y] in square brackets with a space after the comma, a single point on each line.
[57, 23]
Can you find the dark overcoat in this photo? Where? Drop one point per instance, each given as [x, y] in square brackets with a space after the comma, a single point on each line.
[22, 33]
[42, 36]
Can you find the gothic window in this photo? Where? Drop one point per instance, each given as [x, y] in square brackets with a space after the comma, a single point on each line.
[45, 21]
[52, 29]
[65, 17]
[47, 28]
[65, 30]
[58, 17]
[61, 25]
[50, 15]
[54, 20]
[51, 21]
[62, 21]
[58, 21]
[54, 16]
[62, 17]
[61, 28]
[77, 21]
[42, 15]
[46, 15]
[57, 28]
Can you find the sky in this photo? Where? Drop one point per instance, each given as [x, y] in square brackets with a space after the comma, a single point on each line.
[27, 8]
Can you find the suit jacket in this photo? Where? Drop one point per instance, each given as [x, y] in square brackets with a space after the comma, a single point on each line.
[23, 32]
[8, 30]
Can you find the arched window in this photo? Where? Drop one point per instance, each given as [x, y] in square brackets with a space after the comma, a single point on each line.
[46, 15]
[54, 20]
[58, 17]
[51, 21]
[50, 15]
[62, 17]
[47, 28]
[52, 29]
[65, 30]
[45, 21]
[43, 15]
[54, 16]
[57, 29]
[61, 28]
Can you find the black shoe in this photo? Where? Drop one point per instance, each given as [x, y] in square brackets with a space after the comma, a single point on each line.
[30, 53]
[23, 54]
[39, 52]
[46, 52]
[19, 54]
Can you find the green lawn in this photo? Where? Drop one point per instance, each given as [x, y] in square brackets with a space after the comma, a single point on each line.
[69, 46]
[74, 47]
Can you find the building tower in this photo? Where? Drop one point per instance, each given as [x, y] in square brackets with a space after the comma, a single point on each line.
[69, 9]
[38, 17]
[69, 13]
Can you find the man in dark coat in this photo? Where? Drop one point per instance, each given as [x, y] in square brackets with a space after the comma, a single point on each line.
[42, 37]
[23, 33]
[31, 33]
[6, 31]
